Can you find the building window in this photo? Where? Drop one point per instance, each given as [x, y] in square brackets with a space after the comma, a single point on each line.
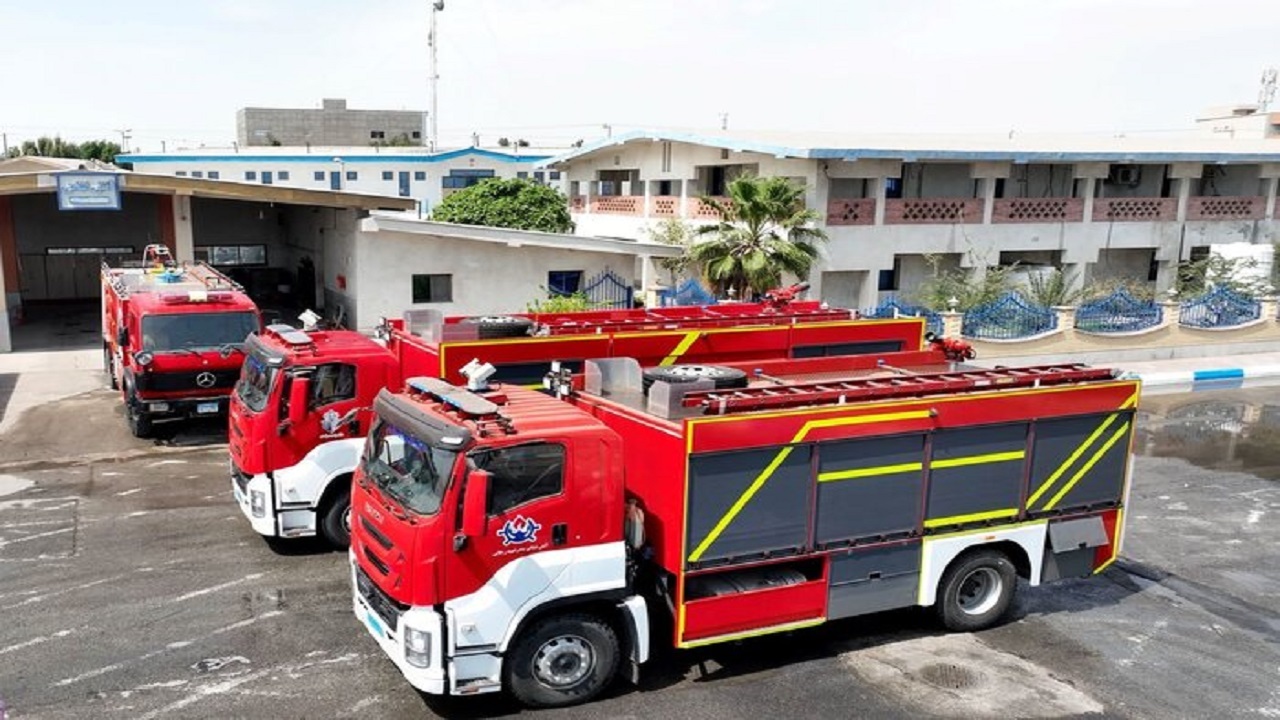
[283, 175]
[458, 179]
[318, 175]
[214, 175]
[889, 278]
[387, 175]
[250, 175]
[353, 175]
[332, 383]
[417, 134]
[521, 474]
[555, 175]
[564, 282]
[232, 255]
[666, 156]
[419, 175]
[432, 288]
[523, 175]
[197, 174]
[539, 176]
[181, 173]
[893, 188]
[377, 134]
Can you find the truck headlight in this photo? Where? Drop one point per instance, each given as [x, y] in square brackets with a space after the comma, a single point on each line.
[417, 647]
[258, 503]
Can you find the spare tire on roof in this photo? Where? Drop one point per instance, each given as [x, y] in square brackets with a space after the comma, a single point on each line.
[722, 377]
[500, 326]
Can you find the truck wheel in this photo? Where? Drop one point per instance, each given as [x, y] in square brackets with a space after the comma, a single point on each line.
[139, 421]
[335, 518]
[562, 660]
[108, 365]
[976, 591]
[500, 326]
[722, 377]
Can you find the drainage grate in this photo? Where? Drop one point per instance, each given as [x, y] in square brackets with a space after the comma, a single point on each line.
[949, 677]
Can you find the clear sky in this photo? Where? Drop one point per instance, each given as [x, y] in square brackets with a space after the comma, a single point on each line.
[557, 70]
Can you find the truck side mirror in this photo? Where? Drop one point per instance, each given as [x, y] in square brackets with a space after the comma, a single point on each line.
[299, 393]
[475, 511]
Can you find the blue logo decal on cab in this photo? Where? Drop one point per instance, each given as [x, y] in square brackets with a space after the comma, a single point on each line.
[519, 530]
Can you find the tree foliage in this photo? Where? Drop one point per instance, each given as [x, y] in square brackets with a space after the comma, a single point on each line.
[1055, 288]
[969, 289]
[554, 303]
[673, 231]
[55, 147]
[765, 230]
[509, 203]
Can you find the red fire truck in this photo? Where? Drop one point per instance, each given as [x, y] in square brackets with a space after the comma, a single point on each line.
[172, 337]
[303, 403]
[546, 542]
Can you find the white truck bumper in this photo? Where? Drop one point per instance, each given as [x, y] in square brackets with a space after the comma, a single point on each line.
[390, 637]
[279, 510]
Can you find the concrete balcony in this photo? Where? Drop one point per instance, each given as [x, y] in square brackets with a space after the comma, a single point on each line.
[851, 212]
[660, 206]
[1227, 208]
[932, 211]
[617, 205]
[1037, 210]
[1135, 209]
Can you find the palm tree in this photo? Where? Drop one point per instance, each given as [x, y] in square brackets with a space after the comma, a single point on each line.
[764, 231]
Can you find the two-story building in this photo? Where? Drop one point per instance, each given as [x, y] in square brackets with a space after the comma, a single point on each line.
[894, 206]
[397, 171]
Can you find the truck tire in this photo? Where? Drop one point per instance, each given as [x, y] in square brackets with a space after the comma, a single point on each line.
[139, 421]
[976, 590]
[108, 365]
[722, 377]
[334, 519]
[500, 326]
[562, 660]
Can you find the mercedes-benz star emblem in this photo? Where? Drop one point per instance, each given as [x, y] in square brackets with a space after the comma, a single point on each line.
[206, 379]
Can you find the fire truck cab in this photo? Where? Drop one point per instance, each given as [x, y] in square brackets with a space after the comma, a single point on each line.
[546, 542]
[292, 461]
[172, 337]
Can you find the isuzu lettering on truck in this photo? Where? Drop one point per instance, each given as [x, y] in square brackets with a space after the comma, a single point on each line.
[546, 542]
[304, 400]
[172, 337]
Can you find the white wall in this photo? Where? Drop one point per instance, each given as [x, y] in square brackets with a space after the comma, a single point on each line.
[488, 277]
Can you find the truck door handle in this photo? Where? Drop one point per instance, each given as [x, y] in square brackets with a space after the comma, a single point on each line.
[559, 533]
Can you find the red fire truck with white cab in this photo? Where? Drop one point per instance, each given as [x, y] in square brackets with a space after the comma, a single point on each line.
[172, 337]
[545, 542]
[304, 401]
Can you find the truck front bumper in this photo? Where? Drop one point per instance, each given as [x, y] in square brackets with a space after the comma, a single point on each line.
[162, 408]
[388, 628]
[259, 499]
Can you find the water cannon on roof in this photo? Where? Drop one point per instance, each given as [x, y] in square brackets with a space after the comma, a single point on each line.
[478, 374]
[310, 319]
[779, 298]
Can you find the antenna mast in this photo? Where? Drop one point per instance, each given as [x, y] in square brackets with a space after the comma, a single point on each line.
[432, 136]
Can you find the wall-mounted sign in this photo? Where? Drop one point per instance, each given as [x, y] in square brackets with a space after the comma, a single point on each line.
[88, 191]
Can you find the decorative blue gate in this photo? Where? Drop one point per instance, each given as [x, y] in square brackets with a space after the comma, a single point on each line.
[1117, 312]
[892, 307]
[1218, 308]
[1009, 317]
[689, 292]
[609, 290]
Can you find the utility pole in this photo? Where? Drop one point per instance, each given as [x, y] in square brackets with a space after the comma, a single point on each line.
[724, 121]
[433, 128]
[124, 139]
[4, 139]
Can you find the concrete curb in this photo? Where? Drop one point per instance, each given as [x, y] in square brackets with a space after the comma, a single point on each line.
[1191, 377]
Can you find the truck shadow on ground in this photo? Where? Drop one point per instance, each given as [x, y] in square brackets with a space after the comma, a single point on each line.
[743, 659]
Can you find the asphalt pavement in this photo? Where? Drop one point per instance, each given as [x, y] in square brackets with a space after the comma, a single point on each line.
[131, 587]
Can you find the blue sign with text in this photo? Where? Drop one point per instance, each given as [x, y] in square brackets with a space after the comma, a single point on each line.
[88, 191]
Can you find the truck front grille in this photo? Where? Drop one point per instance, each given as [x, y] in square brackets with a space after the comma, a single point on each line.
[175, 381]
[389, 610]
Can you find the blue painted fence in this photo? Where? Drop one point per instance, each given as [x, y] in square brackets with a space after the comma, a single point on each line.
[892, 307]
[1117, 313]
[1010, 317]
[1219, 308]
[689, 292]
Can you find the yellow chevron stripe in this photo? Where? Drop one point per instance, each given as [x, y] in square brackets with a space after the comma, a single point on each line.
[682, 347]
[782, 455]
[972, 517]
[1087, 466]
[1081, 450]
[978, 459]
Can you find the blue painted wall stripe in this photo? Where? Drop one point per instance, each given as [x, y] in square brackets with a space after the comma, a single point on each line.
[1218, 374]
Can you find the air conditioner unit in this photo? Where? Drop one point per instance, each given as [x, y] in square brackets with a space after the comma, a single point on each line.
[1129, 175]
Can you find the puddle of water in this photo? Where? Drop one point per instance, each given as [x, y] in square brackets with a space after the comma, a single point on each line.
[1218, 429]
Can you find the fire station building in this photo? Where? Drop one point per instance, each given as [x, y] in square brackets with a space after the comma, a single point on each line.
[352, 256]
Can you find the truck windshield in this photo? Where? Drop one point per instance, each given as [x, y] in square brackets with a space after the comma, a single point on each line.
[410, 471]
[196, 331]
[256, 381]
